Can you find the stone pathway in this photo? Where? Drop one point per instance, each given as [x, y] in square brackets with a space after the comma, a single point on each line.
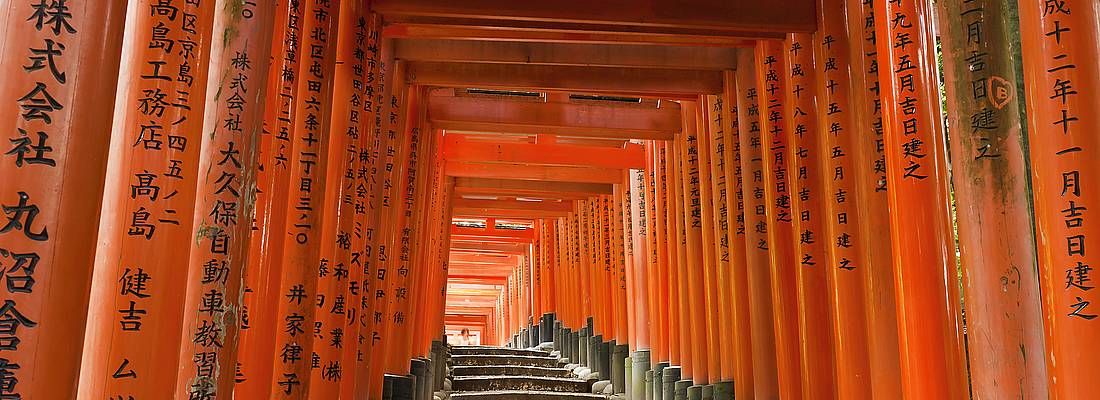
[499, 373]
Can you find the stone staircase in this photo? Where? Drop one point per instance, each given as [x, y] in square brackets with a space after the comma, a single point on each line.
[499, 373]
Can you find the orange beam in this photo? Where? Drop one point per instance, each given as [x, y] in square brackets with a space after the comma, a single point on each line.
[458, 148]
[992, 201]
[570, 54]
[1060, 70]
[559, 117]
[221, 233]
[59, 165]
[524, 188]
[844, 262]
[492, 233]
[932, 358]
[796, 16]
[539, 32]
[639, 81]
[513, 204]
[764, 373]
[871, 190]
[808, 205]
[532, 172]
[132, 344]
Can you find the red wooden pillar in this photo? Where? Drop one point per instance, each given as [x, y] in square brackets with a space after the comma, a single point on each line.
[265, 261]
[704, 193]
[682, 299]
[715, 148]
[871, 191]
[844, 261]
[53, 166]
[731, 169]
[308, 163]
[764, 372]
[666, 254]
[133, 343]
[932, 363]
[391, 161]
[224, 205]
[413, 187]
[637, 247]
[808, 202]
[336, 227]
[362, 61]
[657, 287]
[1061, 73]
[996, 241]
[773, 85]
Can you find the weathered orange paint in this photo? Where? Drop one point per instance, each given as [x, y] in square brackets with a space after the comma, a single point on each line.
[773, 85]
[996, 242]
[133, 342]
[59, 164]
[1059, 55]
[930, 341]
[265, 262]
[225, 201]
[306, 210]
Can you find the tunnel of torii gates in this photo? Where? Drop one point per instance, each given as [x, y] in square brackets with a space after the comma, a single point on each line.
[263, 199]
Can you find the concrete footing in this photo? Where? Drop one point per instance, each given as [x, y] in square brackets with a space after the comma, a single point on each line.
[619, 354]
[418, 368]
[668, 381]
[603, 357]
[637, 377]
[628, 374]
[439, 364]
[399, 387]
[695, 392]
[723, 391]
[582, 347]
[659, 380]
[546, 329]
[680, 389]
[648, 385]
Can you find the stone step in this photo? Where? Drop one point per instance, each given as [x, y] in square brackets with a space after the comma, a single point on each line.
[484, 370]
[524, 383]
[526, 395]
[486, 360]
[502, 351]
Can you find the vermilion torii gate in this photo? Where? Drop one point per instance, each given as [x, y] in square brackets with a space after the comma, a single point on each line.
[700, 199]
